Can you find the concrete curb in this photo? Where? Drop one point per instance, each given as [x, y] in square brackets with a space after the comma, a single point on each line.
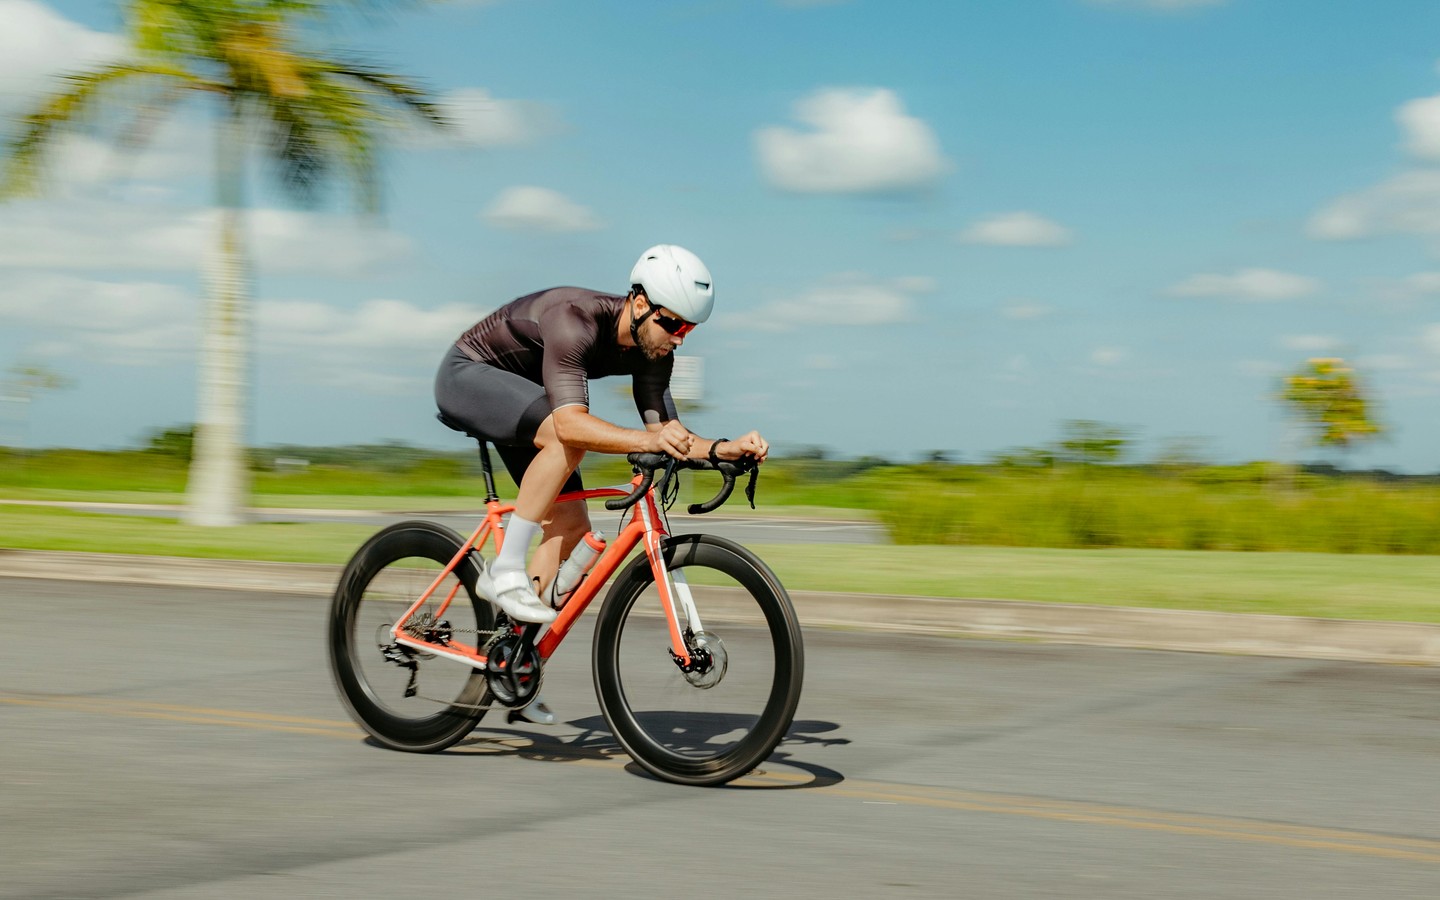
[1159, 629]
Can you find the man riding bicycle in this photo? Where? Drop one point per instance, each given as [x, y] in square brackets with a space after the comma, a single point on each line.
[520, 378]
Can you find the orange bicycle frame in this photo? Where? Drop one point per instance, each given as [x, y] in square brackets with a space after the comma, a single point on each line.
[645, 526]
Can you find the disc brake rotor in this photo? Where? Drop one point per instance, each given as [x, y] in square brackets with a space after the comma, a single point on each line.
[703, 644]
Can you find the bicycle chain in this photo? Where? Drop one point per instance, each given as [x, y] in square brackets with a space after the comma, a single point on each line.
[416, 630]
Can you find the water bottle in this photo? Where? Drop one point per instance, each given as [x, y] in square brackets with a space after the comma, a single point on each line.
[573, 570]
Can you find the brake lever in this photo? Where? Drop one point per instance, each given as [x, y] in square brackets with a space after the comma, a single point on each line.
[750, 486]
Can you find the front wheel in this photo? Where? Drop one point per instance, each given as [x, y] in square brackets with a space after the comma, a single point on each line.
[408, 699]
[724, 716]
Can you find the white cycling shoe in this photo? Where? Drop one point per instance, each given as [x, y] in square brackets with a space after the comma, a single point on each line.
[512, 592]
[538, 712]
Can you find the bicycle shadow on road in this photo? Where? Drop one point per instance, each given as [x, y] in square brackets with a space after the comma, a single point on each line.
[595, 743]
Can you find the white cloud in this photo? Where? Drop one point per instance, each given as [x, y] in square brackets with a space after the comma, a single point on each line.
[1025, 310]
[850, 298]
[381, 325]
[38, 44]
[1423, 282]
[1392, 362]
[398, 341]
[1310, 343]
[88, 235]
[180, 147]
[917, 284]
[1107, 356]
[1409, 203]
[66, 301]
[1247, 284]
[127, 323]
[286, 241]
[1430, 337]
[1016, 229]
[149, 323]
[481, 120]
[860, 141]
[529, 208]
[1420, 122]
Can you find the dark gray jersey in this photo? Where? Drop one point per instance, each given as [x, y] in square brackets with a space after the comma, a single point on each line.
[562, 337]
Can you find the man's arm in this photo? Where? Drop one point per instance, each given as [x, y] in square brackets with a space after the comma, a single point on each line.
[577, 428]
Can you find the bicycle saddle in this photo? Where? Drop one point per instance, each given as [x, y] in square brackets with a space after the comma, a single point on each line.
[456, 425]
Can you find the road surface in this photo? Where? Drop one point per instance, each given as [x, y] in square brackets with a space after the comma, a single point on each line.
[166, 742]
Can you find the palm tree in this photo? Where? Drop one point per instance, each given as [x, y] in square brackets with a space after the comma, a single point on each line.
[319, 113]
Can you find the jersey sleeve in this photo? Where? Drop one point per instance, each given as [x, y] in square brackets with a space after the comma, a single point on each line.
[568, 336]
[651, 387]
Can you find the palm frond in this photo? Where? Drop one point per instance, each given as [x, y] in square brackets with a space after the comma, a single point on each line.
[406, 94]
[26, 154]
[335, 124]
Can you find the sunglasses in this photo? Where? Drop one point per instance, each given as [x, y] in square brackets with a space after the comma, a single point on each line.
[676, 326]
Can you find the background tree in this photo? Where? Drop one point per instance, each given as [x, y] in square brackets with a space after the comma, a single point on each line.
[177, 442]
[22, 382]
[317, 114]
[1330, 403]
[1088, 442]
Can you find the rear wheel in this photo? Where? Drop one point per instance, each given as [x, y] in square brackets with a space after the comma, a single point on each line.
[408, 699]
[724, 716]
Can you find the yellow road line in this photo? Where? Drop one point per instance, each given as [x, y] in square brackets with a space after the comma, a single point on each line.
[1079, 812]
[198, 716]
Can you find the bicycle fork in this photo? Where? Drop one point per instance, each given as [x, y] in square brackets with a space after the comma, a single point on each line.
[676, 599]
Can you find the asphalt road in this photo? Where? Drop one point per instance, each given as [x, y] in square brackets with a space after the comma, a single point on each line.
[169, 742]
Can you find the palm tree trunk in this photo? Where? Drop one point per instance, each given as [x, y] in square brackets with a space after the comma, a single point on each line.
[219, 486]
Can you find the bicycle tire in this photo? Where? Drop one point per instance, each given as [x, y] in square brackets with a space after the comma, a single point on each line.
[639, 685]
[384, 576]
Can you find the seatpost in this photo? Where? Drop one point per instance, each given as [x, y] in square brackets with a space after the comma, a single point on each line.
[490, 495]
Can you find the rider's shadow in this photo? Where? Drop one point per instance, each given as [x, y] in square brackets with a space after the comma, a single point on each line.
[684, 732]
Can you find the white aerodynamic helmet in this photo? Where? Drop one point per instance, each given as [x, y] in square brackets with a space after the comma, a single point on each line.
[676, 279]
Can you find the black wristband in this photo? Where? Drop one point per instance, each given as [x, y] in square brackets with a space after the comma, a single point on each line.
[715, 460]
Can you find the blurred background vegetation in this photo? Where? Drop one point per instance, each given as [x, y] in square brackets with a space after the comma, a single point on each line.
[1079, 492]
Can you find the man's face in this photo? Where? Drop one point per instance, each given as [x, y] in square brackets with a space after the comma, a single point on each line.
[655, 341]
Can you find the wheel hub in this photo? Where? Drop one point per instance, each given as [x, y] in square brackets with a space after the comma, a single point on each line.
[708, 659]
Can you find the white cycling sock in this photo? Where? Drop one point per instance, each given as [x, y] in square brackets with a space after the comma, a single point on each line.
[518, 535]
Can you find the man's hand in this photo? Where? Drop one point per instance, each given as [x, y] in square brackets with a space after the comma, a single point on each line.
[751, 444]
[672, 438]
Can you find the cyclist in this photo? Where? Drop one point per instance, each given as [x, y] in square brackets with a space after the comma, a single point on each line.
[520, 378]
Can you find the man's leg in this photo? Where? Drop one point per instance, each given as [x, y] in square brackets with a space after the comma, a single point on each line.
[561, 531]
[563, 524]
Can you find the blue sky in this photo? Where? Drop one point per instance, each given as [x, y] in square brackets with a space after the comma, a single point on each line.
[933, 225]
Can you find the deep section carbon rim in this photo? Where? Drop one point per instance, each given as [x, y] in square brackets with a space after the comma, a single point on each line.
[408, 699]
[723, 717]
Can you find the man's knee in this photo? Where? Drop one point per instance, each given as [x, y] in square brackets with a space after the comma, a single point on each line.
[546, 438]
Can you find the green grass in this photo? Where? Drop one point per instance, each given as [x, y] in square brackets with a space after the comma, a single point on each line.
[1233, 508]
[45, 528]
[1351, 586]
